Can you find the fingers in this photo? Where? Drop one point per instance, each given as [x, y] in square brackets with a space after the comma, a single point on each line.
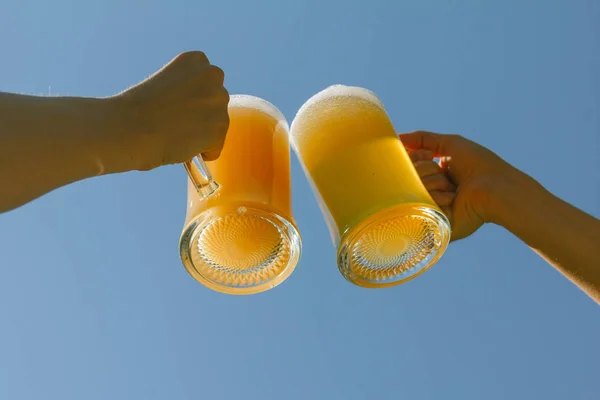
[193, 70]
[438, 182]
[211, 155]
[443, 199]
[221, 96]
[219, 76]
[191, 57]
[437, 143]
[431, 173]
[420, 155]
[422, 140]
[426, 168]
[213, 152]
[441, 189]
[215, 139]
[212, 74]
[181, 63]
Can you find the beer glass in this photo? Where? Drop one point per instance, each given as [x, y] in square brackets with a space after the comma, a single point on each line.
[386, 226]
[243, 239]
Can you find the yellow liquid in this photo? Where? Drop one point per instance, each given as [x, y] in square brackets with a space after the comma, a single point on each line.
[248, 241]
[387, 227]
[254, 165]
[357, 164]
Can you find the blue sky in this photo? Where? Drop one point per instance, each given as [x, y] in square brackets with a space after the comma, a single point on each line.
[95, 304]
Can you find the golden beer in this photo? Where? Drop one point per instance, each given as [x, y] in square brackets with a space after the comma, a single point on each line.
[387, 227]
[243, 238]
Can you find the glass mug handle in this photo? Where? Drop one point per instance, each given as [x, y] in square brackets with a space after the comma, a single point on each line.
[201, 177]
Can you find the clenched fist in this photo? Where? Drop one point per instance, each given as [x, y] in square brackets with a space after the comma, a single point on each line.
[177, 113]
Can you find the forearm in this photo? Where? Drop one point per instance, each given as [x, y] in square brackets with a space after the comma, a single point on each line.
[565, 236]
[48, 142]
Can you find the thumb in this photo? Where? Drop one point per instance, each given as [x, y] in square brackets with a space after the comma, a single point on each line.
[422, 140]
[214, 152]
[211, 155]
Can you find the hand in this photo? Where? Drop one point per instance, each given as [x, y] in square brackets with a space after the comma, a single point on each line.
[176, 114]
[465, 180]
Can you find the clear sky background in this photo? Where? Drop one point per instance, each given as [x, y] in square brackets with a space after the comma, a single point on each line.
[95, 303]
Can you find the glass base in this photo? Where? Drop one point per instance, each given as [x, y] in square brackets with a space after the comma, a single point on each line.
[241, 250]
[393, 246]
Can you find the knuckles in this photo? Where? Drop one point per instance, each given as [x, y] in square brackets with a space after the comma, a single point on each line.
[189, 57]
[217, 74]
[221, 96]
[456, 137]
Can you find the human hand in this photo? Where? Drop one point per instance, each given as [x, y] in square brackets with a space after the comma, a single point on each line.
[174, 115]
[466, 180]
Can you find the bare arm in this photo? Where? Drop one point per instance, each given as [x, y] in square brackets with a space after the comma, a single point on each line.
[566, 237]
[49, 142]
[474, 186]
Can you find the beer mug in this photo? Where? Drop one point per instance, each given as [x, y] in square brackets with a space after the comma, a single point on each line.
[386, 226]
[242, 239]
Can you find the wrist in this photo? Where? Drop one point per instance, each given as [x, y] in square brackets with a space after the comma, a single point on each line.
[133, 147]
[113, 147]
[514, 197]
[90, 132]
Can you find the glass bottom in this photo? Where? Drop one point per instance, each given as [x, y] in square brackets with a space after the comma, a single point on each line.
[241, 250]
[393, 246]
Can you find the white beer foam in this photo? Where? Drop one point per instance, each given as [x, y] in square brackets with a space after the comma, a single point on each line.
[338, 91]
[256, 103]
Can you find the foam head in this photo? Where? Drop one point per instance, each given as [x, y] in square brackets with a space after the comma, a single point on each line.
[335, 93]
[246, 101]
